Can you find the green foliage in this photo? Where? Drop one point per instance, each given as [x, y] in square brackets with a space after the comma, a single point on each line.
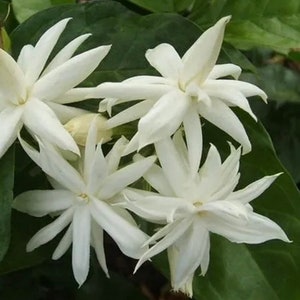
[260, 23]
[6, 196]
[25, 9]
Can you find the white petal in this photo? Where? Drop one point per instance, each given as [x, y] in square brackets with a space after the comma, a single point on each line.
[172, 165]
[81, 243]
[252, 190]
[117, 181]
[57, 82]
[163, 119]
[258, 229]
[165, 60]
[31, 152]
[75, 95]
[97, 239]
[147, 206]
[128, 237]
[10, 124]
[25, 57]
[157, 179]
[202, 55]
[225, 70]
[130, 114]
[192, 247]
[65, 53]
[193, 134]
[65, 113]
[50, 231]
[247, 89]
[171, 233]
[12, 81]
[114, 155]
[229, 96]
[57, 167]
[221, 116]
[64, 244]
[42, 121]
[133, 145]
[42, 50]
[131, 91]
[39, 203]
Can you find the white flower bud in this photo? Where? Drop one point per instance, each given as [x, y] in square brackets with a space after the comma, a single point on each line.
[79, 126]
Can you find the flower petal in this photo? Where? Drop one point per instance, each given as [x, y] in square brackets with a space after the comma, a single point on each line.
[128, 237]
[163, 119]
[156, 178]
[191, 247]
[193, 135]
[66, 113]
[57, 167]
[202, 55]
[170, 233]
[173, 167]
[42, 121]
[130, 91]
[257, 230]
[75, 95]
[221, 116]
[65, 53]
[130, 114]
[64, 244]
[229, 96]
[97, 241]
[165, 60]
[252, 190]
[81, 243]
[50, 231]
[225, 70]
[117, 181]
[12, 80]
[246, 88]
[25, 58]
[10, 124]
[63, 78]
[39, 203]
[114, 155]
[42, 50]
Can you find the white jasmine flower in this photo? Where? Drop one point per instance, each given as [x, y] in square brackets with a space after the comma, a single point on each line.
[33, 94]
[189, 86]
[83, 200]
[78, 128]
[195, 204]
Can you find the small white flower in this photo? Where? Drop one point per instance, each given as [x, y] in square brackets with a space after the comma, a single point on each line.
[194, 204]
[83, 198]
[33, 94]
[189, 86]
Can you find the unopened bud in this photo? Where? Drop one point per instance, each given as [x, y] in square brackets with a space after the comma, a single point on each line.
[79, 126]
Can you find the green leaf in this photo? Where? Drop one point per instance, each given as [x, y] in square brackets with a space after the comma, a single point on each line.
[258, 23]
[163, 6]
[6, 196]
[24, 9]
[4, 11]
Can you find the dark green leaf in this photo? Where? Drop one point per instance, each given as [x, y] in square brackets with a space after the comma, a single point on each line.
[6, 196]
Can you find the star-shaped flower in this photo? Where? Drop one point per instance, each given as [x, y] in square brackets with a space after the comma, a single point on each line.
[33, 94]
[83, 198]
[195, 204]
[189, 86]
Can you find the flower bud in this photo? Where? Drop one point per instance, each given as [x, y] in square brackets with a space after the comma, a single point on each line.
[79, 126]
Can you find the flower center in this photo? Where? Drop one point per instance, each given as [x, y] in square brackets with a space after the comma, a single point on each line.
[198, 204]
[84, 197]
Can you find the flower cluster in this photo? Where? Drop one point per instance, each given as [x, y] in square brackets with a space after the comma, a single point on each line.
[91, 193]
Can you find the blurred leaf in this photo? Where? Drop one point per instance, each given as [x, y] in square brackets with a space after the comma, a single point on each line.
[24, 9]
[6, 196]
[163, 6]
[4, 40]
[4, 11]
[258, 23]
